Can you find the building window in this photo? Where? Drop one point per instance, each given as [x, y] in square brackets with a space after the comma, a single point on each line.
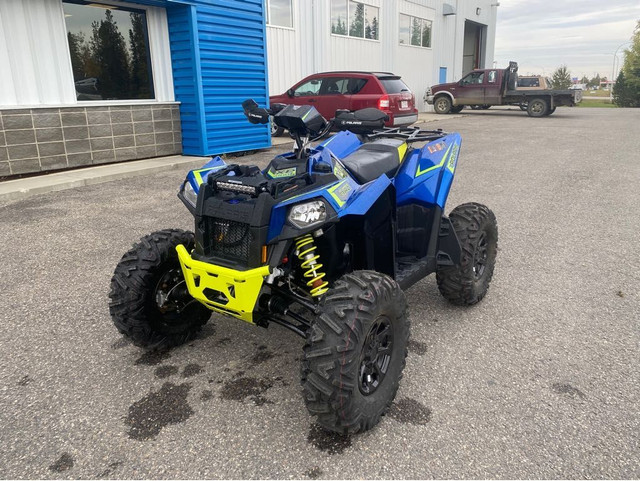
[280, 13]
[109, 47]
[354, 19]
[414, 31]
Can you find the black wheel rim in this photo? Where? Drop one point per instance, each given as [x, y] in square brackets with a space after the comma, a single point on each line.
[375, 358]
[480, 256]
[172, 299]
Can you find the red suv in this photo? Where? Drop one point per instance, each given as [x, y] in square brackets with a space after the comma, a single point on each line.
[330, 91]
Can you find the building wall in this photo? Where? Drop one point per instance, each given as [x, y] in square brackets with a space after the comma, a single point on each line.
[207, 56]
[309, 46]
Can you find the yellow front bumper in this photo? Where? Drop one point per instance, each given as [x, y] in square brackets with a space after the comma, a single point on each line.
[221, 289]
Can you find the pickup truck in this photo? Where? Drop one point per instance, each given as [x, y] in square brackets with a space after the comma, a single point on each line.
[498, 87]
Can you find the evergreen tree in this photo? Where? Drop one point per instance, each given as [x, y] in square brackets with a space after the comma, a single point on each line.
[76, 41]
[109, 51]
[374, 28]
[340, 27]
[140, 84]
[561, 78]
[356, 29]
[426, 34]
[630, 91]
[621, 93]
[416, 33]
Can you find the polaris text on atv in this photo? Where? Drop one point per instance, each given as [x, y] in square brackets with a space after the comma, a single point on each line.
[323, 242]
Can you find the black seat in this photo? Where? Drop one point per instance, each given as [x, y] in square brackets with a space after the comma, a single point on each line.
[373, 159]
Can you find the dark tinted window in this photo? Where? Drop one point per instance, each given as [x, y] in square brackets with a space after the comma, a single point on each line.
[528, 82]
[109, 47]
[394, 86]
[355, 85]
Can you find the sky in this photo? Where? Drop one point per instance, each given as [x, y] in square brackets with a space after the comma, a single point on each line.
[544, 34]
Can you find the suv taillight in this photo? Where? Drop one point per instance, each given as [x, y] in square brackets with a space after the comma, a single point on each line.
[383, 102]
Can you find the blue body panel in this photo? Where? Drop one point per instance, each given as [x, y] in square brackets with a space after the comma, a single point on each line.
[424, 177]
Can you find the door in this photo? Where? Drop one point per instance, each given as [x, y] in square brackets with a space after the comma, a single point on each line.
[492, 88]
[471, 89]
[334, 95]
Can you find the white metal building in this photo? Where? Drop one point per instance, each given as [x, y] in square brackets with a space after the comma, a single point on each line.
[425, 41]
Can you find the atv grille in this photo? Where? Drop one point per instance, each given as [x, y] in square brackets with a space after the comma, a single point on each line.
[230, 239]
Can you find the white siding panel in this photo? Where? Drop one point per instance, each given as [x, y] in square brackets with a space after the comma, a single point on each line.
[283, 50]
[38, 67]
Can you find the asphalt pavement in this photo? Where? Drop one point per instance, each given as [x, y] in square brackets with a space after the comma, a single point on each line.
[539, 380]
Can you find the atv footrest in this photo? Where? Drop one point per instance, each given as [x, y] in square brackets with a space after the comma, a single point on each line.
[410, 270]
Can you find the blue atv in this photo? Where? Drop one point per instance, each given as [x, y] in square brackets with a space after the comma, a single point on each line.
[323, 242]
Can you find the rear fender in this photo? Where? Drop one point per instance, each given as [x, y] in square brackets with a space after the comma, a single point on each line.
[426, 175]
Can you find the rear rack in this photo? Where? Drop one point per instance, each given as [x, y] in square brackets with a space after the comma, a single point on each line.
[408, 134]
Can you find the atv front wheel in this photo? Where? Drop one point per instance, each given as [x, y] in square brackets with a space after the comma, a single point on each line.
[355, 352]
[150, 303]
[477, 231]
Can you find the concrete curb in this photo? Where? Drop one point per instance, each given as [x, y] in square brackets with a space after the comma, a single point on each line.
[13, 190]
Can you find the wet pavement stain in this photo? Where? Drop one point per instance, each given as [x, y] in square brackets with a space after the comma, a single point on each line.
[327, 441]
[246, 387]
[156, 410]
[110, 470]
[62, 464]
[261, 356]
[313, 473]
[417, 347]
[191, 370]
[206, 395]
[152, 358]
[166, 371]
[410, 411]
[568, 389]
[121, 343]
[24, 381]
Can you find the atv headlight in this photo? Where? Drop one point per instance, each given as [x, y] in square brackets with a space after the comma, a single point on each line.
[306, 215]
[189, 193]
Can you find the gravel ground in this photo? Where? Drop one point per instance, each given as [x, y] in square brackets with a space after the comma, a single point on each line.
[540, 380]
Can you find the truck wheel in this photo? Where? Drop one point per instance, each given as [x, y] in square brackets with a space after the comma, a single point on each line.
[355, 352]
[537, 108]
[442, 105]
[150, 303]
[477, 231]
[551, 111]
[457, 109]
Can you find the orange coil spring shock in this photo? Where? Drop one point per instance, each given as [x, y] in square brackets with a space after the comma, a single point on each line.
[306, 253]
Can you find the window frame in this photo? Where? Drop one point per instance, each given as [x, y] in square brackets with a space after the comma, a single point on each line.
[159, 56]
[364, 29]
[422, 22]
[268, 16]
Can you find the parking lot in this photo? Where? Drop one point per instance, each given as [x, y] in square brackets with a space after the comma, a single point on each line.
[540, 380]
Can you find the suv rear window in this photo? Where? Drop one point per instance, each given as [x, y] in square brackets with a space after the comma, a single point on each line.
[394, 86]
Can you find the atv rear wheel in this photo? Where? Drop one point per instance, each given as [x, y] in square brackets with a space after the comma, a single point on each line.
[442, 105]
[355, 352]
[150, 303]
[477, 231]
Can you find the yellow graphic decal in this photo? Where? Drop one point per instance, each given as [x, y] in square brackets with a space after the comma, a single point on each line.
[402, 150]
[341, 192]
[434, 167]
[277, 174]
[451, 164]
